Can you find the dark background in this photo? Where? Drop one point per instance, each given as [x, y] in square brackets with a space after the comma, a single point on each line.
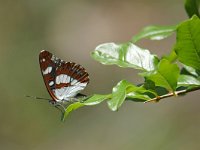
[71, 30]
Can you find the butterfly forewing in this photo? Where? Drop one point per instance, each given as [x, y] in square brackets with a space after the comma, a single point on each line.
[63, 79]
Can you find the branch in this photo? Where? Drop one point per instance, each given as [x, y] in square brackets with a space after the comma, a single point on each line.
[176, 93]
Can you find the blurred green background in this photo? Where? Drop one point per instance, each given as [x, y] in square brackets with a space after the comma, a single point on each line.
[71, 30]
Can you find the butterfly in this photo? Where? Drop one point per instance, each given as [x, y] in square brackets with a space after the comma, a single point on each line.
[63, 80]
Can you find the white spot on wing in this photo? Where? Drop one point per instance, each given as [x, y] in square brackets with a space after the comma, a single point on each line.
[50, 69]
[68, 79]
[51, 83]
[58, 80]
[47, 70]
[82, 84]
[74, 81]
[63, 78]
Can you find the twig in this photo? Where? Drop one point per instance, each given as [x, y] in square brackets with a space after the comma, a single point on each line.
[176, 93]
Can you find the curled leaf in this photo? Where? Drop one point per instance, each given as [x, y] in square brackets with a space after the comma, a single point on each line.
[125, 55]
[154, 33]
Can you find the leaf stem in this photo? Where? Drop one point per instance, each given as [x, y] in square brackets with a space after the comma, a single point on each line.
[176, 93]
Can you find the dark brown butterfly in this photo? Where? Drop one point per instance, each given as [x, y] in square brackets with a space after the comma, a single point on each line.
[63, 80]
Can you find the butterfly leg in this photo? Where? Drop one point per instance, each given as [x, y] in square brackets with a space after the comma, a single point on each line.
[59, 108]
[58, 105]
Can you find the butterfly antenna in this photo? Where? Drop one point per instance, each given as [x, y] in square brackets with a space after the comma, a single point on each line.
[35, 97]
[56, 105]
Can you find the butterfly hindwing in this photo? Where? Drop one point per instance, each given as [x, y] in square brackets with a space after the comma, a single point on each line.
[63, 79]
[70, 79]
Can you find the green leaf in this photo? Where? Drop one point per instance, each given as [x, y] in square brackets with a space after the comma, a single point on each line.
[192, 7]
[171, 57]
[138, 97]
[118, 95]
[125, 55]
[71, 108]
[187, 46]
[165, 76]
[187, 80]
[96, 99]
[150, 86]
[154, 33]
[192, 71]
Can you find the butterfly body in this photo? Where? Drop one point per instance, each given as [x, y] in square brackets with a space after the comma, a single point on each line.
[63, 80]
